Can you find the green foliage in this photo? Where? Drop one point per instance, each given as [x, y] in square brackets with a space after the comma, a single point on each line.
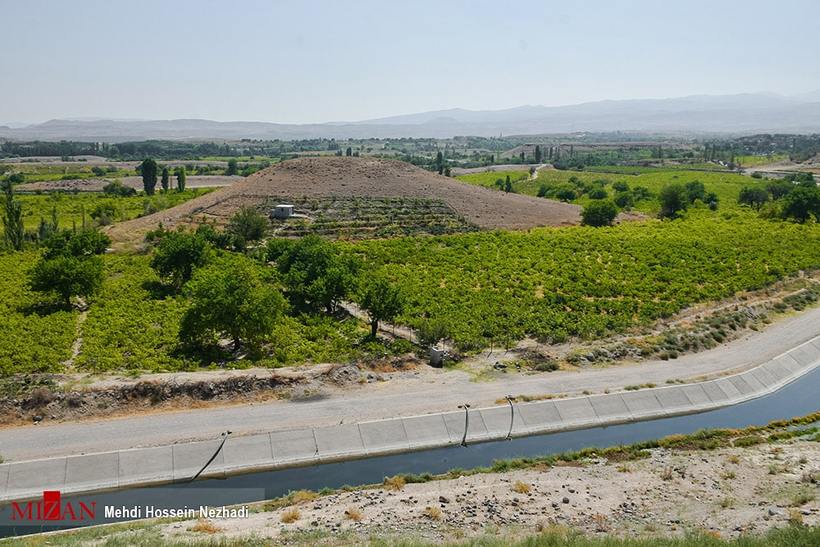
[67, 276]
[32, 341]
[107, 213]
[118, 189]
[82, 243]
[554, 283]
[148, 170]
[317, 274]
[165, 181]
[599, 213]
[177, 255]
[674, 200]
[13, 231]
[230, 298]
[182, 177]
[695, 190]
[233, 168]
[754, 197]
[248, 224]
[802, 203]
[382, 301]
[779, 189]
[71, 208]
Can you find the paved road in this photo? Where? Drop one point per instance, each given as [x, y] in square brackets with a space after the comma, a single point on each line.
[389, 399]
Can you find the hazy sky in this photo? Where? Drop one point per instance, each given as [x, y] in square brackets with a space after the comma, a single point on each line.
[317, 60]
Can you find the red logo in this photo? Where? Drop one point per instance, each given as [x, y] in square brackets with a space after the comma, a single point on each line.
[52, 508]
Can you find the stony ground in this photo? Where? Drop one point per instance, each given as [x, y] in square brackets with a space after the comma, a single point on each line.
[724, 492]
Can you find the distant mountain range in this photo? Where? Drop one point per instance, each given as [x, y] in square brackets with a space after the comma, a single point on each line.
[737, 114]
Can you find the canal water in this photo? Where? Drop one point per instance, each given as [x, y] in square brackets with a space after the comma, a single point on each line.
[798, 398]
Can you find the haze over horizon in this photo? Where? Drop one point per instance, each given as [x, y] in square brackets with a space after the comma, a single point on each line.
[329, 62]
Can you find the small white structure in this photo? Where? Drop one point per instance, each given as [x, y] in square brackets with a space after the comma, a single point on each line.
[283, 211]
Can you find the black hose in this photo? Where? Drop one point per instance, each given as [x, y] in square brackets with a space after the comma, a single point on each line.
[218, 450]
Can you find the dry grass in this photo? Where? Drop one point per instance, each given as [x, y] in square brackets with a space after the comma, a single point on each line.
[733, 458]
[521, 487]
[727, 502]
[666, 473]
[795, 517]
[623, 468]
[302, 496]
[355, 514]
[290, 515]
[432, 513]
[394, 483]
[204, 526]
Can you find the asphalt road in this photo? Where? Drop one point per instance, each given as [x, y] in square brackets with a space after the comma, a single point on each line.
[395, 398]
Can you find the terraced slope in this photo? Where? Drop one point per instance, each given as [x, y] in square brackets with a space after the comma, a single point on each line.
[382, 180]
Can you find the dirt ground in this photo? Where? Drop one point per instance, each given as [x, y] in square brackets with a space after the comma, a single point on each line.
[724, 492]
[363, 177]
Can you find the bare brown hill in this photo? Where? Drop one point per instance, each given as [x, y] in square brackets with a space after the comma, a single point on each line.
[350, 177]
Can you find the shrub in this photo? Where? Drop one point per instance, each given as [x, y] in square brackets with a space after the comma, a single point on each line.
[118, 189]
[248, 224]
[599, 213]
[290, 515]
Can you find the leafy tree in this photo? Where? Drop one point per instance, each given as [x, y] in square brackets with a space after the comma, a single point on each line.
[624, 200]
[597, 193]
[695, 190]
[620, 186]
[166, 179]
[674, 200]
[233, 167]
[13, 231]
[508, 184]
[349, 152]
[230, 298]
[599, 213]
[181, 178]
[538, 155]
[382, 301]
[178, 254]
[248, 224]
[118, 189]
[16, 178]
[148, 169]
[79, 244]
[316, 274]
[439, 162]
[779, 188]
[754, 197]
[802, 203]
[67, 276]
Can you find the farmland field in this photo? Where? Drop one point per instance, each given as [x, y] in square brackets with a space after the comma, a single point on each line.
[726, 186]
[70, 207]
[555, 283]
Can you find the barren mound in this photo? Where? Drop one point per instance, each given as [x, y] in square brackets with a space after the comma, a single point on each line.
[311, 180]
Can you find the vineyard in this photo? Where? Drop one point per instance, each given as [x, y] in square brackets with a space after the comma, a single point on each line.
[356, 217]
[70, 208]
[552, 284]
[726, 186]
